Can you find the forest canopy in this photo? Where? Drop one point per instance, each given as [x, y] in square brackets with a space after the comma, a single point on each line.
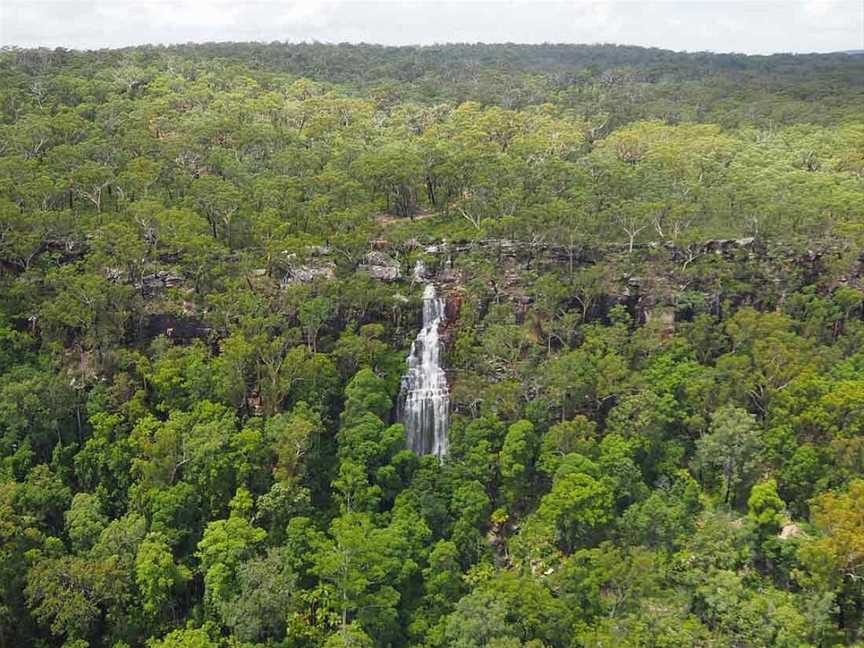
[212, 263]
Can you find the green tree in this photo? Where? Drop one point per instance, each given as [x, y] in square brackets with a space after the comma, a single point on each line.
[730, 450]
[224, 546]
[157, 575]
[355, 563]
[517, 460]
[219, 200]
[84, 521]
[313, 314]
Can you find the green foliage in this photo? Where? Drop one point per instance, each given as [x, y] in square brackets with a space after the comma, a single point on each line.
[517, 458]
[191, 638]
[225, 545]
[266, 593]
[765, 508]
[728, 452]
[156, 574]
[209, 268]
[84, 521]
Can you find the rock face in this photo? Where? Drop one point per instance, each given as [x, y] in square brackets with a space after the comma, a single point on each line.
[452, 306]
[179, 329]
[306, 273]
[159, 281]
[450, 321]
[381, 266]
[790, 530]
[296, 271]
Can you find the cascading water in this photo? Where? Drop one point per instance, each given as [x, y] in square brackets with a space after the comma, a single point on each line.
[424, 400]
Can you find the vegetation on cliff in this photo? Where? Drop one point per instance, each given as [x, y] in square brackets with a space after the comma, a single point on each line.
[652, 266]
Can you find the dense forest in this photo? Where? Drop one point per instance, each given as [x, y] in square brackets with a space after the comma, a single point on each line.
[213, 260]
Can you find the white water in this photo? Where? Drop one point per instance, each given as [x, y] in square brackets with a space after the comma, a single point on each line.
[424, 400]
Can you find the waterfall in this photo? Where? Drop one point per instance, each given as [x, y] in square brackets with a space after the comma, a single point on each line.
[424, 400]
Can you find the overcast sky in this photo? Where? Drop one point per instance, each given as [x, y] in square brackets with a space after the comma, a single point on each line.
[751, 26]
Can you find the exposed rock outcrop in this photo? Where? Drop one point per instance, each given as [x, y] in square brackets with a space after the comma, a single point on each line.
[381, 266]
[304, 273]
[179, 329]
[159, 281]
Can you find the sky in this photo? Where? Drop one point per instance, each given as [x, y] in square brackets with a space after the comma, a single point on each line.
[748, 26]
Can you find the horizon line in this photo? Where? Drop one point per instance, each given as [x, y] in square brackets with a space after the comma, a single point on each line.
[16, 46]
